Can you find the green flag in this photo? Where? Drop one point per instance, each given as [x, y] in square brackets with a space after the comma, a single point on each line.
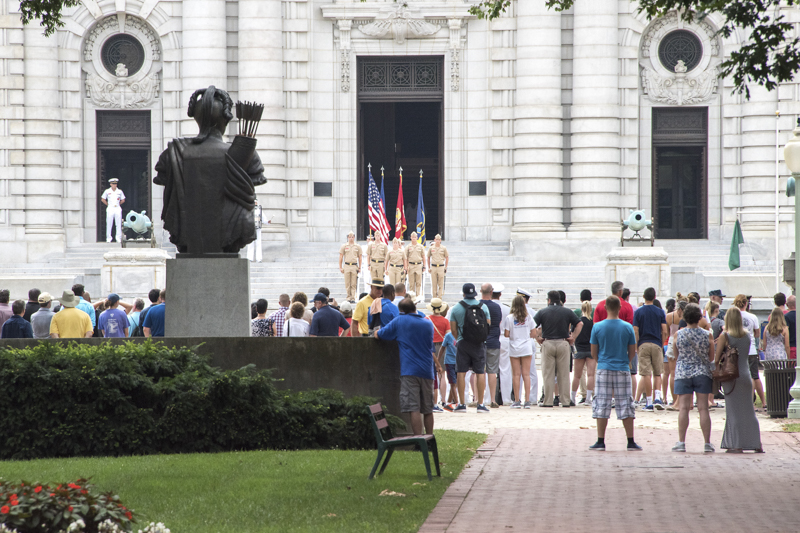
[733, 259]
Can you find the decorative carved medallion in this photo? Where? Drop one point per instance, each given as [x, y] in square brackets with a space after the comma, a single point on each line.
[402, 24]
[680, 61]
[455, 77]
[122, 62]
[345, 67]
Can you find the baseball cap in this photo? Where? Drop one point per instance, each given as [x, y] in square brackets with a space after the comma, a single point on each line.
[319, 297]
[45, 297]
[113, 298]
[469, 290]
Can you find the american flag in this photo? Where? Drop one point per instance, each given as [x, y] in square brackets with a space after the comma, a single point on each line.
[378, 222]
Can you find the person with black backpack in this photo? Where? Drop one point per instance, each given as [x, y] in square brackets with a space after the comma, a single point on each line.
[154, 295]
[469, 324]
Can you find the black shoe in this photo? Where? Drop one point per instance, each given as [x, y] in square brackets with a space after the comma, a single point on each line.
[571, 404]
[582, 402]
[555, 401]
[598, 447]
[633, 447]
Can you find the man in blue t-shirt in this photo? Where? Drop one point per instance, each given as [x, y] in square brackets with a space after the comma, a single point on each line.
[613, 345]
[153, 325]
[650, 326]
[492, 340]
[113, 321]
[327, 320]
[414, 334]
[469, 356]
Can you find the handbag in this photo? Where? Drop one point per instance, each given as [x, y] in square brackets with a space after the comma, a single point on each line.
[728, 367]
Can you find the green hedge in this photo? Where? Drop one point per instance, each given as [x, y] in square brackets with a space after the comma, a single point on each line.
[71, 400]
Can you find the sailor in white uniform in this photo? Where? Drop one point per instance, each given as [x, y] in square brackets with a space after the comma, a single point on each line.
[113, 199]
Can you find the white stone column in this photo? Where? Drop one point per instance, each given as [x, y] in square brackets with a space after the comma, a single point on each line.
[537, 121]
[595, 117]
[204, 51]
[44, 185]
[261, 80]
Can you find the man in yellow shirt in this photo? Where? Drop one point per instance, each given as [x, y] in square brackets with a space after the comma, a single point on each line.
[361, 313]
[70, 323]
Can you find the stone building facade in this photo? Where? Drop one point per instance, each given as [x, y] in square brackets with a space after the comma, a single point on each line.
[540, 128]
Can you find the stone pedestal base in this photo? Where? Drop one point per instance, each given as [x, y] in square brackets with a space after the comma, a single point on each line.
[208, 296]
[640, 268]
[133, 272]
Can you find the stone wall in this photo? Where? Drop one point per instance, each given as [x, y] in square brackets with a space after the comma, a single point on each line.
[356, 367]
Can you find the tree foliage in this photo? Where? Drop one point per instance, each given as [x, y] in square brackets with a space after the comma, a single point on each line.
[770, 55]
[46, 11]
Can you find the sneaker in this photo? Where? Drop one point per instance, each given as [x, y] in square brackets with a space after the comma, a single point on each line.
[671, 407]
[460, 408]
[543, 405]
[709, 448]
[658, 405]
[448, 407]
[556, 401]
[572, 404]
[633, 447]
[437, 409]
[582, 402]
[494, 405]
[482, 408]
[516, 405]
[648, 408]
[527, 405]
[598, 447]
[472, 404]
[679, 447]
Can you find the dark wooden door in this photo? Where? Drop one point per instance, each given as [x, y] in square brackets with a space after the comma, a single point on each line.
[680, 192]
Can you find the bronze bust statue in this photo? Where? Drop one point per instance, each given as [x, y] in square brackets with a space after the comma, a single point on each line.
[209, 193]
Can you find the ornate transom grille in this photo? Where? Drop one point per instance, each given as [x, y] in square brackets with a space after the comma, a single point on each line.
[680, 45]
[124, 49]
[383, 75]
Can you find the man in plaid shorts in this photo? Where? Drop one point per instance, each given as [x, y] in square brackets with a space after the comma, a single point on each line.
[613, 343]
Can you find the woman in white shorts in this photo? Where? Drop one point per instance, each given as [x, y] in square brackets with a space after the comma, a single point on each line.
[519, 327]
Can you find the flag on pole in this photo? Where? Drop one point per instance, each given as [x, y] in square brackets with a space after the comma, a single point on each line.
[383, 195]
[378, 223]
[733, 258]
[420, 214]
[400, 212]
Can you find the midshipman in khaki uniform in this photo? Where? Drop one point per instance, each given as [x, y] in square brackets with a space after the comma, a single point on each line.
[377, 259]
[396, 263]
[350, 253]
[415, 258]
[438, 258]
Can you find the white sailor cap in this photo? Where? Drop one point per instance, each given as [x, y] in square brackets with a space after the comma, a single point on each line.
[113, 180]
[497, 287]
[523, 292]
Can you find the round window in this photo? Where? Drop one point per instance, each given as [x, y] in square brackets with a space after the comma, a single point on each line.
[680, 45]
[122, 49]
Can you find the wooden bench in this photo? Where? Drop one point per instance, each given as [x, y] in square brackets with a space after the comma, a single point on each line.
[380, 425]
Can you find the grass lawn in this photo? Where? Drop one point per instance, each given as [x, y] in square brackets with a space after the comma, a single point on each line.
[249, 492]
[791, 428]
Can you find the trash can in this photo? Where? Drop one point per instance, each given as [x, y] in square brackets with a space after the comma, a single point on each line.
[779, 377]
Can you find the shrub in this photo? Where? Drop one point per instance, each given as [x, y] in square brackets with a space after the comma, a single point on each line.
[144, 398]
[78, 506]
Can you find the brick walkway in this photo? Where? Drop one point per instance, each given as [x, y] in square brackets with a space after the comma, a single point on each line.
[546, 480]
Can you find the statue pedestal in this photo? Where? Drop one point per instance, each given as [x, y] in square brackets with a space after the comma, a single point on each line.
[638, 269]
[133, 272]
[208, 296]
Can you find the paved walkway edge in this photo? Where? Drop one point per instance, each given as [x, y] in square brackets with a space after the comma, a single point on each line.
[445, 511]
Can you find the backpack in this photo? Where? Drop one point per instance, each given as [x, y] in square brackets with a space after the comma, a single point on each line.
[475, 328]
[138, 331]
